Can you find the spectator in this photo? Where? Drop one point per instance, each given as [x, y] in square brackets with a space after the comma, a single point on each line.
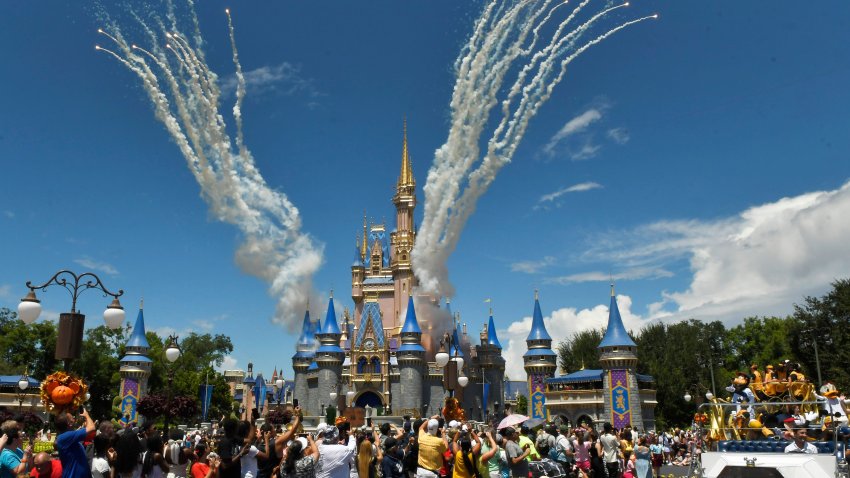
[100, 464]
[206, 465]
[610, 450]
[177, 455]
[800, 444]
[392, 465]
[516, 455]
[153, 463]
[128, 450]
[335, 452]
[13, 460]
[466, 455]
[228, 450]
[69, 444]
[45, 467]
[431, 449]
[582, 444]
[492, 456]
[301, 458]
[526, 442]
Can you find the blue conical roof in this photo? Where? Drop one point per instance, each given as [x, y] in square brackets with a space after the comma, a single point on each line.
[358, 262]
[307, 335]
[331, 326]
[538, 328]
[492, 339]
[411, 325]
[138, 338]
[615, 334]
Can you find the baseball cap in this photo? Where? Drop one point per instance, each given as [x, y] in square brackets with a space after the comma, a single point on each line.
[433, 425]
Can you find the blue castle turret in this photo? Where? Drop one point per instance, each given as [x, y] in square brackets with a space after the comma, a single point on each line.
[618, 357]
[135, 369]
[328, 359]
[305, 351]
[540, 362]
[411, 362]
[489, 356]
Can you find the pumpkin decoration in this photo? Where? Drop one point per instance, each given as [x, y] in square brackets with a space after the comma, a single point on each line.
[453, 411]
[700, 418]
[62, 392]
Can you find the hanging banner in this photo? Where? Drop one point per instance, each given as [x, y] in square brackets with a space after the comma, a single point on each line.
[206, 399]
[260, 394]
[486, 397]
[538, 398]
[621, 413]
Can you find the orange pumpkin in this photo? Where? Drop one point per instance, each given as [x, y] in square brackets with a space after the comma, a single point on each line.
[62, 395]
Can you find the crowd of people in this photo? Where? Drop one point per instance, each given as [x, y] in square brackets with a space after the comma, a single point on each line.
[421, 448]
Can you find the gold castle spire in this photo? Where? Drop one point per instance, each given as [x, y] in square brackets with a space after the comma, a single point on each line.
[406, 177]
[363, 246]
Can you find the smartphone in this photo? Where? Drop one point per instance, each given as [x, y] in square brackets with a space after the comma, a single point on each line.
[294, 402]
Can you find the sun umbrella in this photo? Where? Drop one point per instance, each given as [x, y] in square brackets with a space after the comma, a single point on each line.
[533, 422]
[511, 420]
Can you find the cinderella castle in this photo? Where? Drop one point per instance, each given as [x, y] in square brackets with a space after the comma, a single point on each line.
[378, 355]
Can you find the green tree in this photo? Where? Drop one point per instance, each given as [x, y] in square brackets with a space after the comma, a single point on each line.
[823, 322]
[580, 351]
[760, 341]
[522, 405]
[26, 347]
[99, 366]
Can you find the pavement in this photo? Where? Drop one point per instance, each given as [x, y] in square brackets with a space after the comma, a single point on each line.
[674, 471]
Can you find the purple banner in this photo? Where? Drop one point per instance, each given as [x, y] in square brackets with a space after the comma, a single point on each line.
[621, 413]
[129, 399]
[537, 398]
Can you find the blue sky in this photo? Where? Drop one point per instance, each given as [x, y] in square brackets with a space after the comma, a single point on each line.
[700, 159]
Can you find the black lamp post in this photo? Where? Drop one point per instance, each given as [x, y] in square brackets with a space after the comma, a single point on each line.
[452, 363]
[23, 385]
[71, 324]
[172, 353]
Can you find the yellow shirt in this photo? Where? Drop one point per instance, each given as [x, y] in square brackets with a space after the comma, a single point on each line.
[524, 440]
[431, 451]
[460, 470]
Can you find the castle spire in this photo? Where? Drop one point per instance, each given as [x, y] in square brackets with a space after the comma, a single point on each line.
[492, 338]
[615, 333]
[406, 176]
[365, 241]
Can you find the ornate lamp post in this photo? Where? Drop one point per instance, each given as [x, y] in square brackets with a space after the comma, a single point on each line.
[278, 384]
[71, 324]
[349, 395]
[451, 365]
[172, 353]
[23, 385]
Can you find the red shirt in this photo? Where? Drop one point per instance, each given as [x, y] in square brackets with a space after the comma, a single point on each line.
[52, 469]
[200, 470]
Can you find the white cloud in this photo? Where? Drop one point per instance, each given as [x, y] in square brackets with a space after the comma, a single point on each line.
[576, 125]
[619, 135]
[208, 324]
[97, 266]
[532, 267]
[575, 188]
[561, 324]
[284, 78]
[9, 214]
[758, 262]
[599, 276]
[228, 363]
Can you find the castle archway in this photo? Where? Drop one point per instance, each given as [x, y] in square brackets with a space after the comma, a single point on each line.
[373, 399]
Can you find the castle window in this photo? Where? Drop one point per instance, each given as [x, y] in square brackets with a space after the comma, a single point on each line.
[362, 365]
[376, 365]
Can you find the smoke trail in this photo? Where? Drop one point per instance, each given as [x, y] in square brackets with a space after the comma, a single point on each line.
[186, 96]
[504, 39]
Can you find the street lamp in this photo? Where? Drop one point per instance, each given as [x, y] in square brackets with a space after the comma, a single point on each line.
[70, 337]
[23, 385]
[172, 353]
[278, 384]
[451, 365]
[709, 396]
[687, 397]
[349, 395]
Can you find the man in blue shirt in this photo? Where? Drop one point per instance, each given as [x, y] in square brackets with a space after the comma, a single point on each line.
[69, 443]
[13, 460]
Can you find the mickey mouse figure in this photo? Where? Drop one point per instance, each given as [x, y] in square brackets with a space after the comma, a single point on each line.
[741, 393]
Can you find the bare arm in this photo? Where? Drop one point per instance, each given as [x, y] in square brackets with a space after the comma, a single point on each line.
[492, 451]
[25, 462]
[313, 448]
[477, 448]
[283, 439]
[90, 426]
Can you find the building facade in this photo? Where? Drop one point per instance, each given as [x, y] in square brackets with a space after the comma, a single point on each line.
[135, 369]
[377, 354]
[615, 393]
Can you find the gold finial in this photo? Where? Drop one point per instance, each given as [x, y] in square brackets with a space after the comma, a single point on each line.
[612, 288]
[308, 303]
[491, 311]
[363, 245]
[142, 304]
[536, 294]
[332, 293]
[406, 177]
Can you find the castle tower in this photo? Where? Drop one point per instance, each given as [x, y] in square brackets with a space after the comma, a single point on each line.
[329, 358]
[540, 362]
[304, 354]
[403, 238]
[618, 357]
[489, 356]
[135, 369]
[411, 364]
[358, 271]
